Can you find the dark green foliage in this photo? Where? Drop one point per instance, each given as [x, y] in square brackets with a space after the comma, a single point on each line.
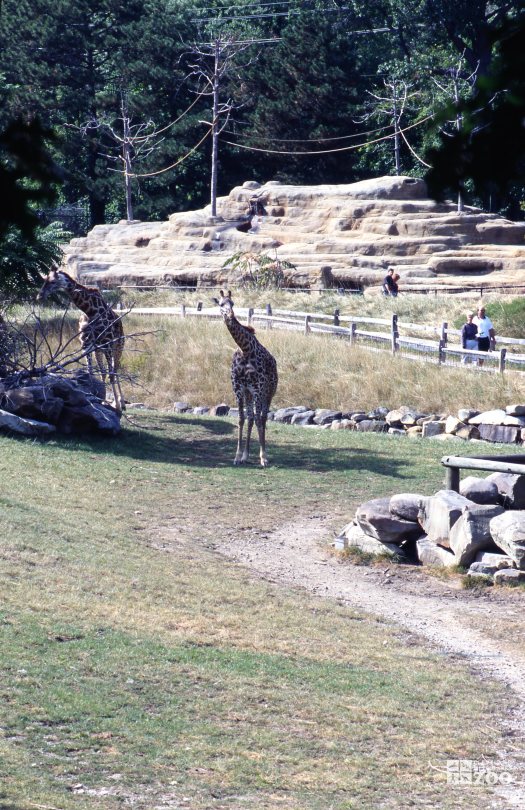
[489, 149]
[23, 261]
[299, 92]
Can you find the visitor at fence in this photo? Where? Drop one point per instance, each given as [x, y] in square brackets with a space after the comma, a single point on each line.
[390, 285]
[486, 332]
[469, 337]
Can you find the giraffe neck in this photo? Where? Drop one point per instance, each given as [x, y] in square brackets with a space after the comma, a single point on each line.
[86, 300]
[244, 337]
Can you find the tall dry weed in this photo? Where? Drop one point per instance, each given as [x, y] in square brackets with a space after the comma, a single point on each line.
[189, 360]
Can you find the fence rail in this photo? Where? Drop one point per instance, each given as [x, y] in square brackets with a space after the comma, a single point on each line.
[390, 338]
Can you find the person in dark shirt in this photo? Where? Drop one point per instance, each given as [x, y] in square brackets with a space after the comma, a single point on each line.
[390, 286]
[469, 337]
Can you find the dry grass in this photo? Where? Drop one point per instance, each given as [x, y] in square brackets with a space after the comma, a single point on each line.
[189, 360]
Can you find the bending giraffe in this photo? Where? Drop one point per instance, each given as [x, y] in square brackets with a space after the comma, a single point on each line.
[254, 380]
[100, 328]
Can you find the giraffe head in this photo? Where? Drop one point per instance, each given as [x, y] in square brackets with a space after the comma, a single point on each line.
[225, 304]
[54, 281]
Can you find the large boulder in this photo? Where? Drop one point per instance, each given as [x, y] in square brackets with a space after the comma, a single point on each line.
[508, 532]
[25, 427]
[471, 532]
[375, 519]
[428, 553]
[479, 490]
[439, 513]
[353, 536]
[511, 489]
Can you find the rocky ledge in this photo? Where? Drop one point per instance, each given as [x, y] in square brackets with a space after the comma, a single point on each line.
[333, 235]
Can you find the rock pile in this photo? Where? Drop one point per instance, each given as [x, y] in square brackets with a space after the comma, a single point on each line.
[333, 235]
[502, 425]
[44, 405]
[481, 528]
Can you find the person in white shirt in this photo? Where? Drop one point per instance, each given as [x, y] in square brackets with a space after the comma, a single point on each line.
[486, 333]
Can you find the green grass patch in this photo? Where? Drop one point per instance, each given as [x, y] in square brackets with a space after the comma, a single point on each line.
[138, 667]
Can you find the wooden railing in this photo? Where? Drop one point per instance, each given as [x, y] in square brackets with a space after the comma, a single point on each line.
[437, 343]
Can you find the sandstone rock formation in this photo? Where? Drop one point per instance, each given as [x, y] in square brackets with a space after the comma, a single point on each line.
[334, 235]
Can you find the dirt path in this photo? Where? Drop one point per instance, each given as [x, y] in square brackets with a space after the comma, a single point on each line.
[486, 630]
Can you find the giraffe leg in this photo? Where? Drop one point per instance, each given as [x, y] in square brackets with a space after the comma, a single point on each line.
[238, 455]
[249, 410]
[115, 386]
[260, 420]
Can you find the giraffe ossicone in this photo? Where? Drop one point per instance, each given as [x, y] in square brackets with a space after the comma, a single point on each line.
[254, 380]
[100, 328]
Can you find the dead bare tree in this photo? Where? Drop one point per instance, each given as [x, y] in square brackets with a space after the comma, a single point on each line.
[390, 104]
[129, 144]
[215, 66]
[454, 84]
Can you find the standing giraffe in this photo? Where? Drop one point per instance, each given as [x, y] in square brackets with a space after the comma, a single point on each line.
[100, 328]
[254, 379]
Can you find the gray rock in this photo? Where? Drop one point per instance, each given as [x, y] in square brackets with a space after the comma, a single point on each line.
[375, 519]
[479, 490]
[428, 553]
[201, 410]
[466, 414]
[372, 426]
[511, 489]
[406, 505]
[220, 410]
[515, 410]
[434, 428]
[508, 532]
[286, 414]
[495, 561]
[394, 417]
[439, 513]
[378, 413]
[471, 532]
[181, 407]
[499, 434]
[25, 427]
[93, 417]
[323, 416]
[303, 418]
[358, 416]
[394, 431]
[481, 569]
[353, 536]
[509, 576]
[467, 432]
[494, 417]
[452, 424]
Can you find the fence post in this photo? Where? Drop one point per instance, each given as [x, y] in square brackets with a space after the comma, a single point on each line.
[336, 317]
[183, 310]
[250, 315]
[307, 324]
[394, 334]
[269, 324]
[199, 306]
[444, 333]
[502, 356]
[441, 351]
[353, 330]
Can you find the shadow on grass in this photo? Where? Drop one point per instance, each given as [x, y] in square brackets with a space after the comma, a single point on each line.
[149, 440]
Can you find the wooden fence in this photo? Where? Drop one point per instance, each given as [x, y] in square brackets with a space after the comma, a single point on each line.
[434, 343]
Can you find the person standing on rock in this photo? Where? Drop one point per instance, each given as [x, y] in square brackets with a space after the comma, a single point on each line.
[486, 332]
[469, 337]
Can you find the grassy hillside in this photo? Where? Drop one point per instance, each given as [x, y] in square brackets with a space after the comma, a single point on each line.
[139, 668]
